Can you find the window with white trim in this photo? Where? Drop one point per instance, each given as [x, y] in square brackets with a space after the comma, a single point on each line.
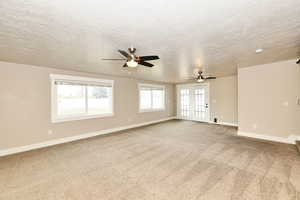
[152, 97]
[76, 98]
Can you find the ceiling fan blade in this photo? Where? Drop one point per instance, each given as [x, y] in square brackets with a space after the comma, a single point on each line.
[125, 65]
[124, 53]
[210, 77]
[114, 59]
[144, 58]
[146, 64]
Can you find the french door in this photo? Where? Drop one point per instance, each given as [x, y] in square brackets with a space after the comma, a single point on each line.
[193, 102]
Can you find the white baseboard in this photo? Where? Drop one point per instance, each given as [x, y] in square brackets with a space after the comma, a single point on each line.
[20, 149]
[211, 122]
[289, 140]
[224, 123]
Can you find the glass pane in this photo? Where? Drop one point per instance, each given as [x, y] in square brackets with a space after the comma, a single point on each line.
[145, 99]
[158, 99]
[99, 100]
[70, 100]
[199, 103]
[185, 102]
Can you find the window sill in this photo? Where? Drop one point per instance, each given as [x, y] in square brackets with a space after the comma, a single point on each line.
[84, 117]
[152, 110]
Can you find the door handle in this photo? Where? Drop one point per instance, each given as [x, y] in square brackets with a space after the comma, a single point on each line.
[206, 105]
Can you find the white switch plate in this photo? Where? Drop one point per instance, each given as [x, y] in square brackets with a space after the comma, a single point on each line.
[50, 132]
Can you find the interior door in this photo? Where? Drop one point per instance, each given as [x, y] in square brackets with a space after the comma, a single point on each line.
[193, 102]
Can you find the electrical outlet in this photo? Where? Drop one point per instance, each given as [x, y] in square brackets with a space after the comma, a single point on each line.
[50, 132]
[254, 126]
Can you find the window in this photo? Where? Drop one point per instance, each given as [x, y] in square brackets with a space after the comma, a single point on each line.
[76, 98]
[152, 97]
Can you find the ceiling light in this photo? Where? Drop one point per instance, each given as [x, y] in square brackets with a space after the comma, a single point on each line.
[132, 63]
[200, 80]
[259, 50]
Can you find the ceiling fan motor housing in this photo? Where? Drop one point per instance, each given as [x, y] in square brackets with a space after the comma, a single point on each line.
[133, 61]
[132, 50]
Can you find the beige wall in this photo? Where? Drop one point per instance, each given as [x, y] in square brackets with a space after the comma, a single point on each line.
[25, 106]
[268, 99]
[224, 99]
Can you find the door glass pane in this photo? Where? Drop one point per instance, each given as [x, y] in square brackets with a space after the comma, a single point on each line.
[185, 102]
[200, 109]
[99, 100]
[70, 100]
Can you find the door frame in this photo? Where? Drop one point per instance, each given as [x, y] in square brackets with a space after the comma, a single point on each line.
[189, 85]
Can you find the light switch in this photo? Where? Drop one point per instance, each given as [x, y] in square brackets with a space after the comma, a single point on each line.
[286, 104]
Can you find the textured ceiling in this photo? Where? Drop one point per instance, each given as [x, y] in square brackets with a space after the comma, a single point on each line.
[219, 35]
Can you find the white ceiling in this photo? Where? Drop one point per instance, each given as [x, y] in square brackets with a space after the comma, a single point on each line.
[217, 34]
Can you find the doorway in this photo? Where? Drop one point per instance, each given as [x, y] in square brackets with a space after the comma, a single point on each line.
[193, 102]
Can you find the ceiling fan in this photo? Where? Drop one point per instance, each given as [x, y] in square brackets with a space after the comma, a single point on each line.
[132, 60]
[201, 78]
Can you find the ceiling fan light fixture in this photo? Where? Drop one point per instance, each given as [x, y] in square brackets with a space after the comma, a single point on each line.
[200, 80]
[132, 63]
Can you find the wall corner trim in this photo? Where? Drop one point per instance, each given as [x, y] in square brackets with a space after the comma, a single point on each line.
[289, 140]
[14, 150]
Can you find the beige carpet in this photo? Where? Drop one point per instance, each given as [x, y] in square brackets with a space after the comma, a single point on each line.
[176, 160]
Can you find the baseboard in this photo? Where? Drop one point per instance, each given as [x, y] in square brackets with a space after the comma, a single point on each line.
[20, 149]
[224, 123]
[289, 140]
[211, 122]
